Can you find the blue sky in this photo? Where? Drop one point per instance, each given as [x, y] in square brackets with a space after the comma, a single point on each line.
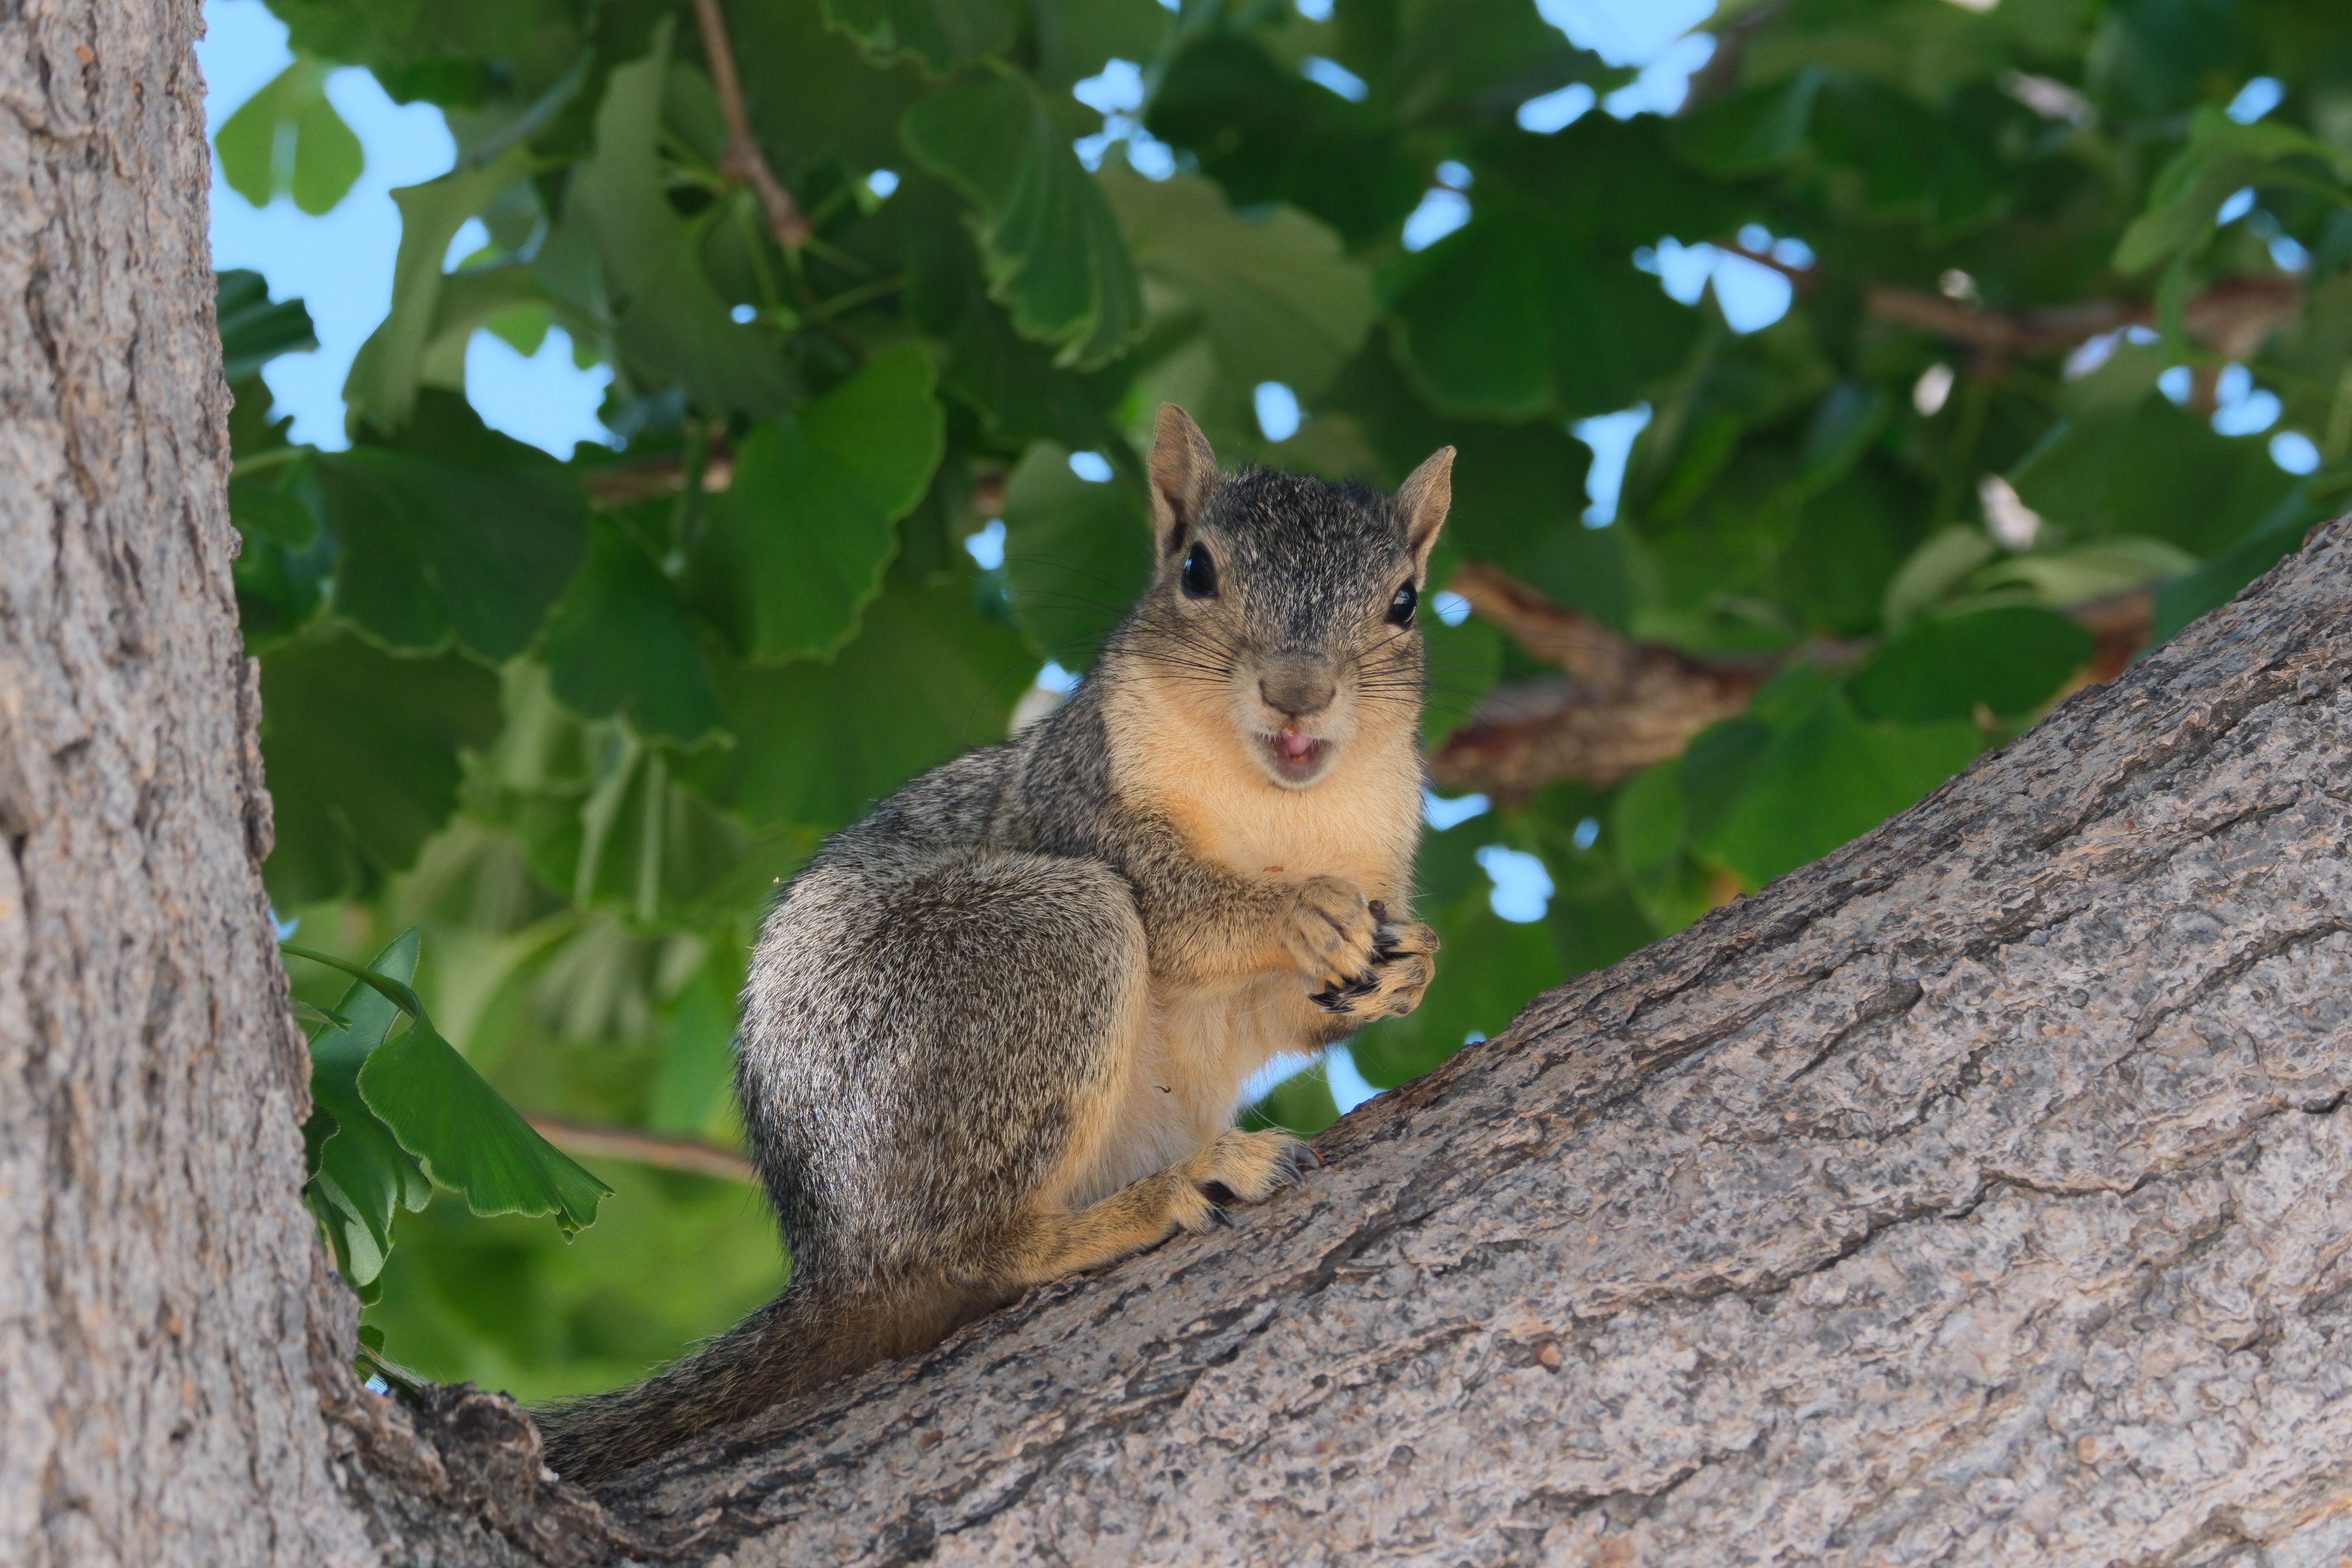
[340, 264]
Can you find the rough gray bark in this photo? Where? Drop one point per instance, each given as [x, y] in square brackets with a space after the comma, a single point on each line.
[1979, 1194]
[158, 1401]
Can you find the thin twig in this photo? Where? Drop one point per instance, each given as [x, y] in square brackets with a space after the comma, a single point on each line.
[624, 483]
[2233, 317]
[743, 160]
[646, 1149]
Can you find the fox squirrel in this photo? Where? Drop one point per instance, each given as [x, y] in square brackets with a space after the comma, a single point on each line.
[997, 1032]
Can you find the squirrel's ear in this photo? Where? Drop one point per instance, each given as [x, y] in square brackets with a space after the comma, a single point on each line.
[1184, 478]
[1422, 501]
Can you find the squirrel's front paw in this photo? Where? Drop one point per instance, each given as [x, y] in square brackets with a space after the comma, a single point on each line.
[1332, 931]
[1401, 970]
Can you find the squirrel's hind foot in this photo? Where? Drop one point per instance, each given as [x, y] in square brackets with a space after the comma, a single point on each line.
[1240, 1167]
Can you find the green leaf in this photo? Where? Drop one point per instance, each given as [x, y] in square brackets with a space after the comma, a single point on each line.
[361, 753]
[1823, 776]
[2221, 156]
[1935, 571]
[1077, 554]
[2010, 659]
[1268, 134]
[697, 1064]
[1649, 837]
[620, 640]
[285, 561]
[2218, 580]
[805, 527]
[2086, 571]
[1050, 245]
[362, 1175]
[1519, 494]
[666, 315]
[457, 532]
[382, 386]
[261, 510]
[1275, 293]
[253, 329]
[466, 1137]
[1910, 163]
[1510, 318]
[1442, 60]
[942, 34]
[817, 744]
[1010, 383]
[287, 139]
[1750, 132]
[2151, 469]
[1074, 39]
[813, 95]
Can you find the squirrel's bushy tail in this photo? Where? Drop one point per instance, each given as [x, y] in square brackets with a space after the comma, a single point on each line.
[790, 1345]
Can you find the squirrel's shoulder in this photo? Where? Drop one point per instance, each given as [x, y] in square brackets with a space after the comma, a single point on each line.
[1045, 788]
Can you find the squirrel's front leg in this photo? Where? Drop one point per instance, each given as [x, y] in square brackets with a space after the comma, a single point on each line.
[1366, 966]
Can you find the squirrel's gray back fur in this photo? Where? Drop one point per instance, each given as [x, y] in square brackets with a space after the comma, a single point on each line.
[950, 1004]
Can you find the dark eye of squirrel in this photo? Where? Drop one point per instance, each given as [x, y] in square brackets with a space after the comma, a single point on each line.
[1401, 608]
[1200, 574]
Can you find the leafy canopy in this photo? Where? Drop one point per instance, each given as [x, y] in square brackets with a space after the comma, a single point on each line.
[2061, 278]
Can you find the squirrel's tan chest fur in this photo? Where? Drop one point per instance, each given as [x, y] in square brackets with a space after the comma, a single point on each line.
[1207, 1033]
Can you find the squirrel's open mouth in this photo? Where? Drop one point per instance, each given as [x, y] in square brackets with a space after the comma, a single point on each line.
[1296, 758]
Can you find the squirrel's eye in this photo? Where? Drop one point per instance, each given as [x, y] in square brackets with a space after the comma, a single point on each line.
[1200, 574]
[1401, 608]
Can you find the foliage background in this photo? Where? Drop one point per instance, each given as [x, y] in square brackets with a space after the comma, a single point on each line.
[575, 718]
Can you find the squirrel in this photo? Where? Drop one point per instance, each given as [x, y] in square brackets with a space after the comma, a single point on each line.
[997, 1032]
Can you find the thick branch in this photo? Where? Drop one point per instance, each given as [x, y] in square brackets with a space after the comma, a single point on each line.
[1621, 705]
[1978, 1193]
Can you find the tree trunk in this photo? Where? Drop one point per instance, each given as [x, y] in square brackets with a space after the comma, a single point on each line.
[1978, 1193]
[158, 1402]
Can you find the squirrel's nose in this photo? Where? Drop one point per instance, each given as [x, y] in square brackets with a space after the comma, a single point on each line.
[1296, 691]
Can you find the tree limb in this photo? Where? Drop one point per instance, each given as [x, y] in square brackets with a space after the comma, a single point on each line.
[743, 160]
[1622, 706]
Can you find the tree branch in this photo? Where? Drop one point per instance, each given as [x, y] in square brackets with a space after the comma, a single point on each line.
[646, 1149]
[743, 160]
[1622, 706]
[2231, 317]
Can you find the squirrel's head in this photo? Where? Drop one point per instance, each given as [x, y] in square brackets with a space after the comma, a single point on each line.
[1291, 603]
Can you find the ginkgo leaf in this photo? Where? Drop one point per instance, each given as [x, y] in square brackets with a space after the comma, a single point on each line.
[1052, 249]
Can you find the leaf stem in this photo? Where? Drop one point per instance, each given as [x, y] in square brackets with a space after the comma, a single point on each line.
[392, 990]
[850, 298]
[262, 462]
